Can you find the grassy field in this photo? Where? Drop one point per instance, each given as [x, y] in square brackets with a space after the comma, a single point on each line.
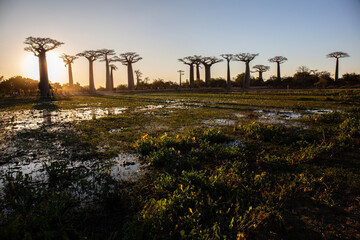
[181, 165]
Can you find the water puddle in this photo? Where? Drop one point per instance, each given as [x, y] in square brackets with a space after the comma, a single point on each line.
[34, 119]
[219, 122]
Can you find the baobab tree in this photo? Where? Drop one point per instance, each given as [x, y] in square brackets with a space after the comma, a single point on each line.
[68, 60]
[112, 68]
[105, 53]
[337, 55]
[128, 59]
[189, 61]
[260, 69]
[197, 63]
[91, 56]
[138, 78]
[247, 58]
[111, 60]
[208, 62]
[39, 46]
[228, 58]
[279, 60]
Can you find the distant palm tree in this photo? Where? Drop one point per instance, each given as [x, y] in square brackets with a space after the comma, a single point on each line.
[228, 58]
[128, 59]
[68, 60]
[91, 56]
[337, 55]
[247, 58]
[279, 60]
[39, 46]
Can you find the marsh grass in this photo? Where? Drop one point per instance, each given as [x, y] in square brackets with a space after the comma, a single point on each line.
[283, 181]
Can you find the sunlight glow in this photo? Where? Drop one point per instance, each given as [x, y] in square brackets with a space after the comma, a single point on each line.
[55, 65]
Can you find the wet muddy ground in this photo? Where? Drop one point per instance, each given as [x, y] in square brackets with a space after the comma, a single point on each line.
[34, 137]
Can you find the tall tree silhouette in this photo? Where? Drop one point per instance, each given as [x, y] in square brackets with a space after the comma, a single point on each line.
[138, 78]
[337, 55]
[112, 68]
[191, 62]
[279, 60]
[197, 63]
[111, 60]
[247, 58]
[39, 46]
[105, 53]
[260, 69]
[128, 59]
[91, 56]
[208, 62]
[68, 60]
[228, 58]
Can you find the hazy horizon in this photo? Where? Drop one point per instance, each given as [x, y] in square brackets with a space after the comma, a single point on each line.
[162, 31]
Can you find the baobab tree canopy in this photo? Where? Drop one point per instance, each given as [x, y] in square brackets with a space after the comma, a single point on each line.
[261, 68]
[245, 57]
[278, 59]
[90, 55]
[68, 59]
[337, 55]
[129, 57]
[38, 45]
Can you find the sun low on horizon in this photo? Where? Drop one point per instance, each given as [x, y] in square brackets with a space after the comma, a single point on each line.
[56, 67]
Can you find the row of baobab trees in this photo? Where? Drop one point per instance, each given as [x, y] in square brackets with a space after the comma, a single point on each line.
[207, 62]
[39, 46]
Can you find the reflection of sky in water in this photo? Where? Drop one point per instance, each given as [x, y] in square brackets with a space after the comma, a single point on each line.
[33, 119]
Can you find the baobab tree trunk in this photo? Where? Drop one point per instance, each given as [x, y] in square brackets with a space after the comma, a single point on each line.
[337, 69]
[228, 81]
[109, 87]
[260, 75]
[278, 71]
[112, 79]
[44, 79]
[197, 71]
[71, 82]
[91, 78]
[247, 76]
[207, 75]
[191, 76]
[130, 77]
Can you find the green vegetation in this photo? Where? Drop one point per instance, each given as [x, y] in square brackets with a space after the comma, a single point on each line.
[248, 177]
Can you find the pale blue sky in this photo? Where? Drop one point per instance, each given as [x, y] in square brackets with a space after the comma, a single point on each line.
[162, 31]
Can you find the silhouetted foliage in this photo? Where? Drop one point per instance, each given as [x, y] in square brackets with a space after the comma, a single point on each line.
[128, 59]
[39, 46]
[337, 55]
[18, 85]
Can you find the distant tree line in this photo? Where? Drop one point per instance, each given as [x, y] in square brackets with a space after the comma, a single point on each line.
[303, 78]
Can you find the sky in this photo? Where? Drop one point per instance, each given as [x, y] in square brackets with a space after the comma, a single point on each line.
[162, 31]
